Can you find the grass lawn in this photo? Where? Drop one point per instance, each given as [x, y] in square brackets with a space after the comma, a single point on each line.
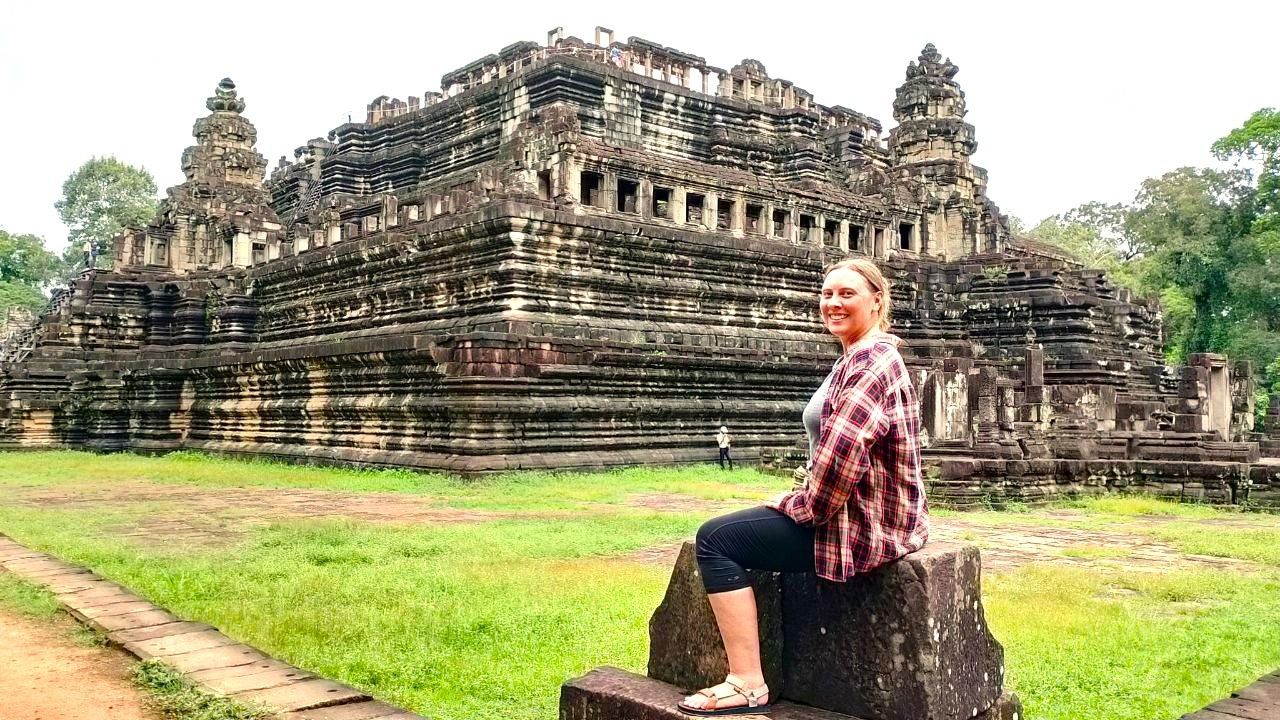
[538, 579]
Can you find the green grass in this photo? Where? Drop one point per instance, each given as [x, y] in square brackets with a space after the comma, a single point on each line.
[1094, 552]
[523, 491]
[456, 621]
[1173, 644]
[1139, 505]
[24, 598]
[1260, 544]
[485, 620]
[178, 699]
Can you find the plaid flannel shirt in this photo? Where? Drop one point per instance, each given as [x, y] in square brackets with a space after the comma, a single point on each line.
[865, 495]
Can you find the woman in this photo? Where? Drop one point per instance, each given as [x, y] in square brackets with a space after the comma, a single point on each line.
[863, 503]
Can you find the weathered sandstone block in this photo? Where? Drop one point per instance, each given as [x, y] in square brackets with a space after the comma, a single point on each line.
[906, 642]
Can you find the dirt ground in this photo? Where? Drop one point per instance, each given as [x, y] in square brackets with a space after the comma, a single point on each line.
[46, 675]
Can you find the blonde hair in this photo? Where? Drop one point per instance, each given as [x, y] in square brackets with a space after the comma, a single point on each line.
[875, 280]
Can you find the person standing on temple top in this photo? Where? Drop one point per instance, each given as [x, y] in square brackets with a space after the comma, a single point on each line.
[723, 441]
[88, 253]
[862, 506]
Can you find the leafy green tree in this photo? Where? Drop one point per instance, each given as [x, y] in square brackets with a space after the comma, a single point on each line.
[1206, 241]
[101, 198]
[1255, 277]
[25, 267]
[1193, 221]
[1258, 140]
[1094, 234]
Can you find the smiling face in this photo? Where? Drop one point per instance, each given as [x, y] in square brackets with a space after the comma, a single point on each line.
[849, 307]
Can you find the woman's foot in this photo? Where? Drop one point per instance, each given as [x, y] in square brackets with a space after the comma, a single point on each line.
[731, 697]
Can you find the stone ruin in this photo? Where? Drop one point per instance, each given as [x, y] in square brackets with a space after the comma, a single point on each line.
[908, 641]
[587, 254]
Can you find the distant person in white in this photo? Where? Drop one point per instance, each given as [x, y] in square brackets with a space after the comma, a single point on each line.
[722, 440]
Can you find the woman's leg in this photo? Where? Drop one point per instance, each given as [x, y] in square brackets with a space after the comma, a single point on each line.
[735, 612]
[757, 538]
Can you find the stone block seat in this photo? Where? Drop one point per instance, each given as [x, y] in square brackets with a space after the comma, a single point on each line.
[906, 642]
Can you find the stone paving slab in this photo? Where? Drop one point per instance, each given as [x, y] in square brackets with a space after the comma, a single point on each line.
[209, 658]
[120, 637]
[23, 554]
[303, 695]
[258, 681]
[55, 574]
[213, 674]
[101, 595]
[368, 710]
[182, 644]
[86, 582]
[129, 621]
[125, 607]
[102, 600]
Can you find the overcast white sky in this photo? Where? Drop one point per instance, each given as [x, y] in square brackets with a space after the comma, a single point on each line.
[1072, 101]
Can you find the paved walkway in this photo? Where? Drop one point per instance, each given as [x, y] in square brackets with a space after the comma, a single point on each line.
[210, 659]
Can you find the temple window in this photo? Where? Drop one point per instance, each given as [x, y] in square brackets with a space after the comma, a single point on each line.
[780, 220]
[831, 233]
[661, 202]
[694, 208]
[628, 192]
[807, 223]
[544, 184]
[590, 190]
[906, 231]
[724, 214]
[755, 218]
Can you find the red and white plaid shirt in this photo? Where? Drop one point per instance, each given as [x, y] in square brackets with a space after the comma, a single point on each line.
[865, 495]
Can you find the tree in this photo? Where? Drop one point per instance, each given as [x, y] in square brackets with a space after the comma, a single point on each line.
[1193, 222]
[1094, 234]
[100, 199]
[25, 267]
[1206, 241]
[1258, 140]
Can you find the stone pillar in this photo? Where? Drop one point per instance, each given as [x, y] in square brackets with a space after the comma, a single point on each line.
[844, 235]
[189, 326]
[237, 319]
[644, 198]
[677, 205]
[738, 222]
[609, 193]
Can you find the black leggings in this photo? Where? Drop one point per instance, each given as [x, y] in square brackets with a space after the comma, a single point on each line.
[758, 538]
[724, 455]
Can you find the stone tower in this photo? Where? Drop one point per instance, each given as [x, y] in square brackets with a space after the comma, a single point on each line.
[220, 216]
[933, 144]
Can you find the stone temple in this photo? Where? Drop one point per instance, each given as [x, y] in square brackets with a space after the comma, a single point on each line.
[585, 254]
